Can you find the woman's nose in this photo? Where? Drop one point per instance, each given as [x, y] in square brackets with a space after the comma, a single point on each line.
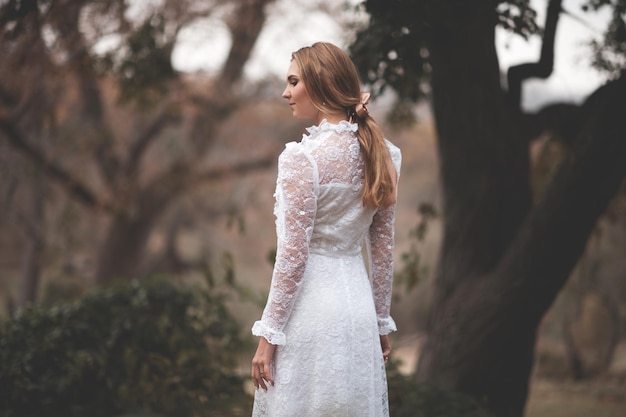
[286, 93]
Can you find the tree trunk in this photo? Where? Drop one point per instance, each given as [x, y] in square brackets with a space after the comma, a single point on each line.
[484, 170]
[502, 264]
[33, 251]
[122, 251]
[484, 161]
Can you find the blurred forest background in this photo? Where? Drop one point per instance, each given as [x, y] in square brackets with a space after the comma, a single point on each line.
[137, 233]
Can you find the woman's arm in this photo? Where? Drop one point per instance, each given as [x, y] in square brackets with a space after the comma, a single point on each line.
[381, 239]
[296, 205]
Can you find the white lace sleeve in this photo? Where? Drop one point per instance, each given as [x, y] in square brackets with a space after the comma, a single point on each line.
[295, 208]
[381, 240]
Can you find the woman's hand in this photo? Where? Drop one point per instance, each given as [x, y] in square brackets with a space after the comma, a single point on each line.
[386, 347]
[261, 364]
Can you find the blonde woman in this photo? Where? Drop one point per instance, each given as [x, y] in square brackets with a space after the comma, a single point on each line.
[323, 340]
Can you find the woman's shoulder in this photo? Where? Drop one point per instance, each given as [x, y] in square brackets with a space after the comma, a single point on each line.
[296, 156]
[292, 150]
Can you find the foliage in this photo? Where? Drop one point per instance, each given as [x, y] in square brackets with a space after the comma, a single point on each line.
[609, 54]
[393, 51]
[390, 52]
[518, 16]
[135, 347]
[410, 399]
[143, 67]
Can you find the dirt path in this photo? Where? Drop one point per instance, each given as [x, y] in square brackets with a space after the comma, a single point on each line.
[596, 398]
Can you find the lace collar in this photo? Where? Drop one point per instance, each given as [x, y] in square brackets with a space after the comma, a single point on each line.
[324, 126]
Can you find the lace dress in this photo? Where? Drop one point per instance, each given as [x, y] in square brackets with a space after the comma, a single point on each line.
[323, 310]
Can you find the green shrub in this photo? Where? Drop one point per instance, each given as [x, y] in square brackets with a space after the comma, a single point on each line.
[410, 399]
[132, 348]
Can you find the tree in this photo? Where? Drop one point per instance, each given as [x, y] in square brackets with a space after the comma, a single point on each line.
[54, 84]
[504, 257]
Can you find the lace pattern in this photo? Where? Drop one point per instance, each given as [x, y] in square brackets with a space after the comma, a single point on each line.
[323, 309]
[381, 241]
[295, 207]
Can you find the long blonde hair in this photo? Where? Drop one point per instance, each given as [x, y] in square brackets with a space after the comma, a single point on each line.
[333, 84]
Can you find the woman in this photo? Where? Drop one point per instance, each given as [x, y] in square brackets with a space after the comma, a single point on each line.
[323, 334]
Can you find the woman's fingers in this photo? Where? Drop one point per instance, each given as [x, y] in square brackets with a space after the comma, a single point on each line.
[385, 346]
[267, 374]
[255, 376]
[261, 374]
[258, 376]
[262, 380]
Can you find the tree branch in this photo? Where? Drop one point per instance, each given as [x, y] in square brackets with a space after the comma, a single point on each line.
[14, 10]
[179, 178]
[66, 19]
[542, 69]
[563, 119]
[6, 98]
[80, 191]
[555, 233]
[245, 27]
[220, 173]
[163, 118]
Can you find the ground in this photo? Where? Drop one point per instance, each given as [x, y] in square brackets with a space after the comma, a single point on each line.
[603, 396]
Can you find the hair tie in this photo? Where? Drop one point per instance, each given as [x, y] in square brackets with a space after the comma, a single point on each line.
[361, 108]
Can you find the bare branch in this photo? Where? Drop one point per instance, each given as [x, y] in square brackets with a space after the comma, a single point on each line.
[245, 28]
[180, 178]
[587, 179]
[66, 19]
[163, 118]
[6, 98]
[75, 187]
[542, 69]
[563, 119]
[241, 168]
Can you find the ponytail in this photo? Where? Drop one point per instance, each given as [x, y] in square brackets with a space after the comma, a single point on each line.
[379, 186]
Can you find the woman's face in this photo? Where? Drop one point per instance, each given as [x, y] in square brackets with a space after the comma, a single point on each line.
[299, 101]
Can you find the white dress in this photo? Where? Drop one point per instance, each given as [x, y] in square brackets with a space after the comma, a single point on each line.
[323, 310]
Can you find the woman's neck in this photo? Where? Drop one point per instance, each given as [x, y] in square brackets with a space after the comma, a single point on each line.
[332, 118]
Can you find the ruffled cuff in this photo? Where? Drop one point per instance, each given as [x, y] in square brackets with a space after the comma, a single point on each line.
[386, 325]
[261, 329]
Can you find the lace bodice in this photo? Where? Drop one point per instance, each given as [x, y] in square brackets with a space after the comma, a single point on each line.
[318, 210]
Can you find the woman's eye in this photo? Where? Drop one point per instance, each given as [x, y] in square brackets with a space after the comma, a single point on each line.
[293, 83]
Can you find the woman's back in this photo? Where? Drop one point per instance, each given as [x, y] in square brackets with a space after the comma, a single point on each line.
[341, 221]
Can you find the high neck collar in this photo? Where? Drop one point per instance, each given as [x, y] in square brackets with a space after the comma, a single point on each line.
[324, 126]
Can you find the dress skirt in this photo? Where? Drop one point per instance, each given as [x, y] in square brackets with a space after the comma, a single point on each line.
[331, 364]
